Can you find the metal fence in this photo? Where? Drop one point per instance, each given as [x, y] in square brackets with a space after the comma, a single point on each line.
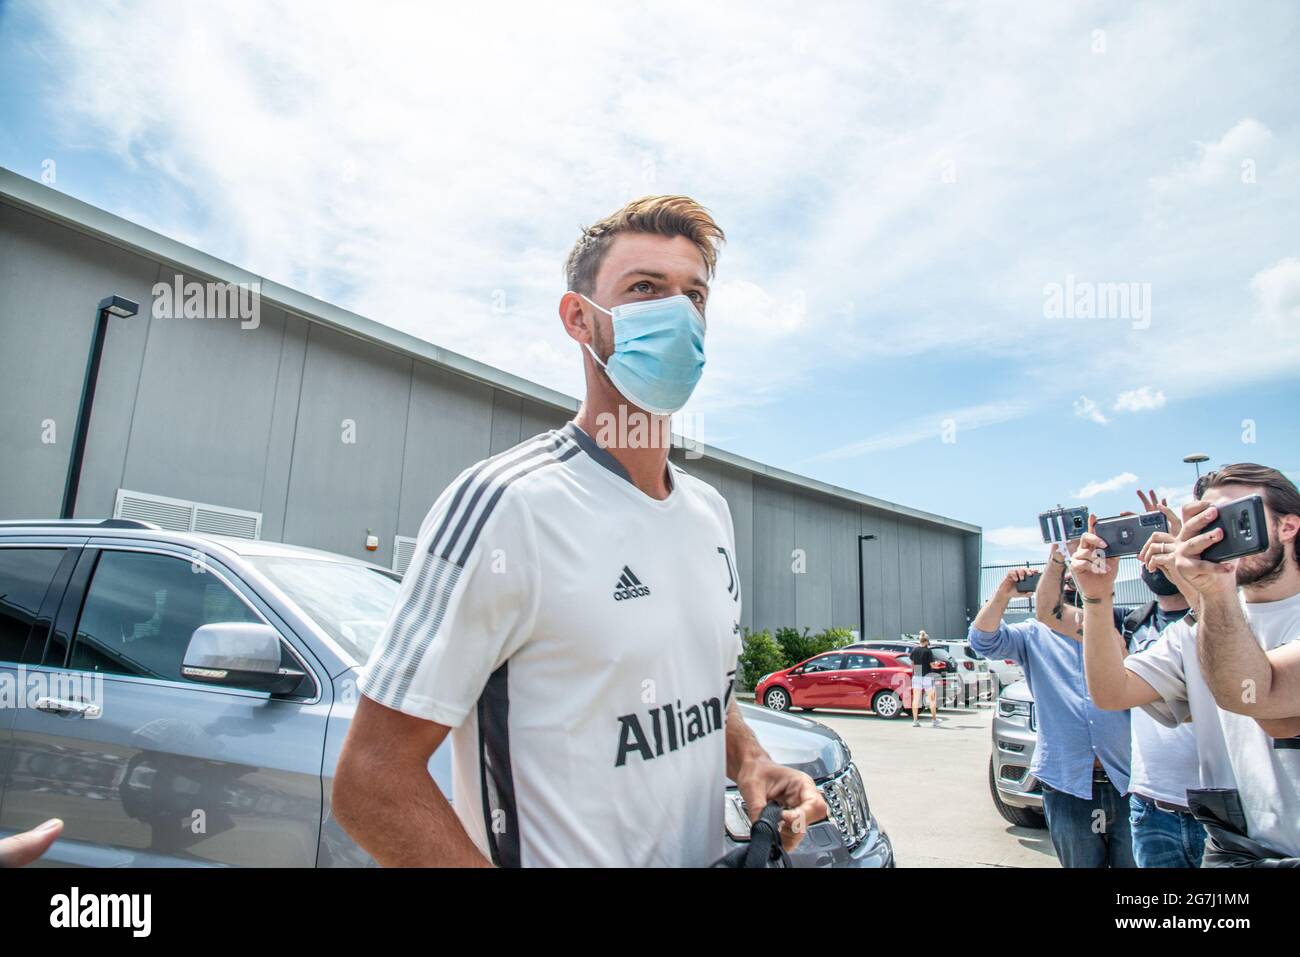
[1129, 588]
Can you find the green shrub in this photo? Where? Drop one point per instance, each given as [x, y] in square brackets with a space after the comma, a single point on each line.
[838, 637]
[795, 645]
[801, 645]
[763, 653]
[760, 655]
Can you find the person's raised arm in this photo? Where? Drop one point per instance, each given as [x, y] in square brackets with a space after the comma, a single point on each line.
[1112, 686]
[1243, 678]
[988, 634]
[385, 799]
[1049, 607]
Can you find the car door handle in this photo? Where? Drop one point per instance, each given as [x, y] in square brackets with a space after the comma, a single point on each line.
[66, 706]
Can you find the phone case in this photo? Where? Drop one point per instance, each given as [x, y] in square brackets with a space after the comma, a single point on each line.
[1027, 585]
[1063, 524]
[1245, 530]
[1126, 534]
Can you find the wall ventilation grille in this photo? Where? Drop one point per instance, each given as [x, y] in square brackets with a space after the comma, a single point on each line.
[403, 551]
[180, 515]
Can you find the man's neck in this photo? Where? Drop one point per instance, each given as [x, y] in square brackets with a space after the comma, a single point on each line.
[637, 440]
[1171, 602]
[1285, 586]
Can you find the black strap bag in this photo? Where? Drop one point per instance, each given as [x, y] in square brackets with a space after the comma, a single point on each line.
[764, 848]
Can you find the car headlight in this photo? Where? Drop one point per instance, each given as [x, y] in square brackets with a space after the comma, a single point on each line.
[735, 816]
[1008, 708]
[764, 678]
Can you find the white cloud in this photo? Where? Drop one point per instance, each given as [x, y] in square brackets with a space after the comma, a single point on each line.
[1139, 400]
[1277, 290]
[1021, 538]
[930, 428]
[1219, 162]
[883, 183]
[1176, 495]
[1086, 408]
[1093, 489]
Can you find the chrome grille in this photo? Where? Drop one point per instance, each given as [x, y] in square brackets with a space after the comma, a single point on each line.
[846, 799]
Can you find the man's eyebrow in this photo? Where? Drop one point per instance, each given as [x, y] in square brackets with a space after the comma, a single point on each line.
[696, 281]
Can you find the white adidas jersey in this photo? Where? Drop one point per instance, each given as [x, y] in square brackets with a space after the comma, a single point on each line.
[581, 639]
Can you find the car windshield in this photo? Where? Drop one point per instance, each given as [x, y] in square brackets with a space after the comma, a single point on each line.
[348, 600]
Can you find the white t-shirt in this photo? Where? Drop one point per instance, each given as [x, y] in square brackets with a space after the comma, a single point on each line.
[581, 639]
[1234, 751]
[1164, 763]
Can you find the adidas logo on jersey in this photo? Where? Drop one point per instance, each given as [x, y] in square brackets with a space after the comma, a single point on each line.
[629, 586]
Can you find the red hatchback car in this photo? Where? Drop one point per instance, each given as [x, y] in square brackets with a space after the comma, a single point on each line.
[879, 681]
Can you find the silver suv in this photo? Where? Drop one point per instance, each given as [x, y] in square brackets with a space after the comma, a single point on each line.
[180, 699]
[1017, 794]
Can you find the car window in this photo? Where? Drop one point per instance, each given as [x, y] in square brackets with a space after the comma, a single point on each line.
[854, 662]
[905, 660]
[824, 663]
[141, 610]
[25, 574]
[350, 601]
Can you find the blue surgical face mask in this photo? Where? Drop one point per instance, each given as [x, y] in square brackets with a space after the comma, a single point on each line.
[658, 352]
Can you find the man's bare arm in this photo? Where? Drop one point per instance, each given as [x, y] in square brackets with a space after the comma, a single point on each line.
[742, 745]
[384, 798]
[1280, 727]
[1048, 605]
[1112, 686]
[1242, 676]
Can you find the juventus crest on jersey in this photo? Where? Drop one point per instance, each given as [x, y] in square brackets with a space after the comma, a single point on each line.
[581, 639]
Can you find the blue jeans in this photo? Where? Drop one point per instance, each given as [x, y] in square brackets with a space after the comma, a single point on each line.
[1163, 838]
[1092, 833]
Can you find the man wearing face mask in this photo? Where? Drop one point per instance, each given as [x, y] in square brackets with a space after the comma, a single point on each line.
[572, 614]
[1164, 762]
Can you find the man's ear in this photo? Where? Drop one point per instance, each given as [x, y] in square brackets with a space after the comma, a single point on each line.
[1288, 527]
[575, 318]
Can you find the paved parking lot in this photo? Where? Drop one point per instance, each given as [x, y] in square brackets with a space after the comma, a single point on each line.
[928, 787]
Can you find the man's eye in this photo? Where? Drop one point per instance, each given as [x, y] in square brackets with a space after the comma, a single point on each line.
[643, 286]
[696, 296]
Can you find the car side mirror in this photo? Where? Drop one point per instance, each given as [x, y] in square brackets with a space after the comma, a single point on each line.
[796, 671]
[238, 654]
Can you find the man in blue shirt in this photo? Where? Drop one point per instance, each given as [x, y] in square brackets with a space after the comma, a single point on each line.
[1082, 755]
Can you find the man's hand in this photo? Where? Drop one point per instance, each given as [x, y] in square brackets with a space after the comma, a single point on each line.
[1007, 588]
[762, 780]
[1094, 574]
[1210, 580]
[26, 847]
[1151, 505]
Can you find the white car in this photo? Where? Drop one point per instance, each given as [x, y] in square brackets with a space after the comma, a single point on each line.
[979, 682]
[1006, 671]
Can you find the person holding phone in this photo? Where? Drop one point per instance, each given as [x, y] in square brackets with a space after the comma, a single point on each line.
[1082, 757]
[1164, 765]
[1249, 791]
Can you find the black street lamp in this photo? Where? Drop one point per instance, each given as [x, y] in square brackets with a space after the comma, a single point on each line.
[112, 306]
[862, 597]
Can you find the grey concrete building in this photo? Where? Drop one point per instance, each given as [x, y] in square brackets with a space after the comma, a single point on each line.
[203, 423]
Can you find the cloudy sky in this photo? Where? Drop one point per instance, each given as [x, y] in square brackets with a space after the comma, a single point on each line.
[982, 259]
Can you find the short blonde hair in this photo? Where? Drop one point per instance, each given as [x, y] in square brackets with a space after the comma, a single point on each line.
[659, 215]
